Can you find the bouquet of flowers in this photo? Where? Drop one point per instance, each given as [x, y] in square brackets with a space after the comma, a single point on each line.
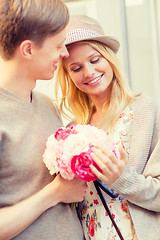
[68, 151]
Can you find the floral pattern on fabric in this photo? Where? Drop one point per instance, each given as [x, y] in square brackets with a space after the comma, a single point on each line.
[95, 220]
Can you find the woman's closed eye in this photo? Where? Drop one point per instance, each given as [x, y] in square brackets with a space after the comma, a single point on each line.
[77, 69]
[95, 60]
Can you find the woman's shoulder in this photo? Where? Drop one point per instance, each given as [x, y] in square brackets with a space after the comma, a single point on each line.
[142, 100]
[146, 107]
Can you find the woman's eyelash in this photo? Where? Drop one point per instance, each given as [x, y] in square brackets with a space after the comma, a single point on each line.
[92, 61]
[77, 69]
[96, 60]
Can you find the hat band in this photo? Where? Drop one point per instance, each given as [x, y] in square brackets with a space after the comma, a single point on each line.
[80, 34]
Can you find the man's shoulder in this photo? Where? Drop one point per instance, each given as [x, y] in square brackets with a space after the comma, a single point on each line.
[42, 99]
[45, 104]
[40, 96]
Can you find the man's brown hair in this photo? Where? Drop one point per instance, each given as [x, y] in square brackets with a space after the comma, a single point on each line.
[29, 19]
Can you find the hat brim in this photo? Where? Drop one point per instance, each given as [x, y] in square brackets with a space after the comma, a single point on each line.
[107, 40]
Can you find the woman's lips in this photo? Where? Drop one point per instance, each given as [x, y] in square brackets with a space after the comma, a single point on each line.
[95, 80]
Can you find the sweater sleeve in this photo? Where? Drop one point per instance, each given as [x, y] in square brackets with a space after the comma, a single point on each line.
[140, 181]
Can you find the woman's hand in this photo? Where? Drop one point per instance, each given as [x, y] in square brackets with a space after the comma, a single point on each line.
[111, 166]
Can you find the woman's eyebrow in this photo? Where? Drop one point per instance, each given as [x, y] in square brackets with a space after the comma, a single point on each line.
[73, 64]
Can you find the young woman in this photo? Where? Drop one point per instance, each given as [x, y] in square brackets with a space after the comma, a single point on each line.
[94, 92]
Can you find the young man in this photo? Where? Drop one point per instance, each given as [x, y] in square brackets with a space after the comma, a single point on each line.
[33, 204]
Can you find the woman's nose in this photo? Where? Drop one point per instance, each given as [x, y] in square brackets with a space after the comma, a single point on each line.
[89, 71]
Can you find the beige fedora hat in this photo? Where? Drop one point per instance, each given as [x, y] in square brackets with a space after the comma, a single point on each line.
[81, 28]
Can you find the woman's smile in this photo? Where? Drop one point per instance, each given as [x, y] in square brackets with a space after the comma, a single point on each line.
[95, 81]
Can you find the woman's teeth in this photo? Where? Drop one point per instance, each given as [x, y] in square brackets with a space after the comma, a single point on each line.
[95, 80]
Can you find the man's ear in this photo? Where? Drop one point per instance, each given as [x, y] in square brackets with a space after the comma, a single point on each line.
[26, 48]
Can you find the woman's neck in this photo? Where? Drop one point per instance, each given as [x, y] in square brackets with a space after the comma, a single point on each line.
[97, 114]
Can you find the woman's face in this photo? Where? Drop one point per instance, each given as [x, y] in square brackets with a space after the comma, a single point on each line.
[89, 70]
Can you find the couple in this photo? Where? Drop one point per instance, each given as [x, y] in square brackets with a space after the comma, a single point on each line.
[34, 204]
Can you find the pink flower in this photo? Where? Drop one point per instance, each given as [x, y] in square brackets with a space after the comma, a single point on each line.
[80, 166]
[113, 216]
[91, 227]
[68, 151]
[63, 133]
[96, 201]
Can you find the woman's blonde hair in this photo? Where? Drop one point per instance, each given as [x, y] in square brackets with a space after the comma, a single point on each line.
[80, 105]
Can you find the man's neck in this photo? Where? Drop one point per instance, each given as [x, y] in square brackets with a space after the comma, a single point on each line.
[13, 79]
